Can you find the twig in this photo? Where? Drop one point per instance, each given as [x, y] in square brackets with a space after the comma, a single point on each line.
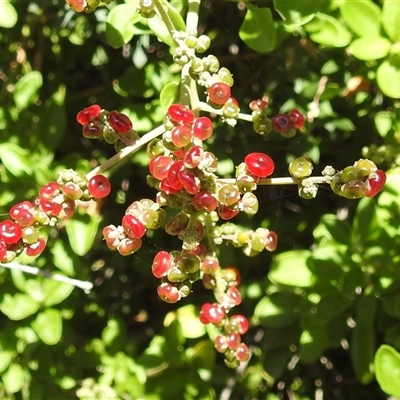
[205, 107]
[286, 180]
[84, 285]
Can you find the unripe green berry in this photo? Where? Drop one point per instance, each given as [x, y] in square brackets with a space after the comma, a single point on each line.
[191, 41]
[301, 167]
[211, 64]
[225, 76]
[176, 275]
[196, 65]
[348, 174]
[203, 43]
[364, 168]
[354, 189]
[250, 203]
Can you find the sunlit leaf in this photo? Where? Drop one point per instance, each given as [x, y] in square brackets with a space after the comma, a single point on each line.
[8, 14]
[391, 18]
[15, 159]
[388, 78]
[13, 378]
[48, 326]
[370, 47]
[18, 307]
[258, 29]
[297, 12]
[363, 17]
[26, 89]
[387, 370]
[81, 231]
[55, 292]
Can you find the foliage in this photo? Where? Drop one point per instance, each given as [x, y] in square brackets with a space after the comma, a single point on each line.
[323, 308]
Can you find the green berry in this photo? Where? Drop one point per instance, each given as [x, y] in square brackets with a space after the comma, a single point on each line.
[300, 168]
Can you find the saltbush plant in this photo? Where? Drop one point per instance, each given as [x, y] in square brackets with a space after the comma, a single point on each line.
[166, 157]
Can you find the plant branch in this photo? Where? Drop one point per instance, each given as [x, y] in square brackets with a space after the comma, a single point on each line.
[287, 180]
[84, 285]
[127, 151]
[166, 18]
[192, 17]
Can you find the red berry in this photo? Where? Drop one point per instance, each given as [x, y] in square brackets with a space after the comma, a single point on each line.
[258, 105]
[159, 166]
[203, 128]
[93, 130]
[34, 249]
[50, 190]
[193, 157]
[133, 227]
[282, 123]
[128, 246]
[226, 212]
[72, 190]
[239, 323]
[376, 181]
[219, 93]
[99, 187]
[3, 250]
[172, 175]
[297, 119]
[220, 343]
[210, 265]
[233, 341]
[22, 213]
[242, 353]
[88, 114]
[50, 207]
[181, 136]
[161, 264]
[169, 293]
[272, 239]
[204, 201]
[259, 164]
[181, 114]
[190, 182]
[166, 187]
[233, 296]
[10, 232]
[213, 313]
[119, 122]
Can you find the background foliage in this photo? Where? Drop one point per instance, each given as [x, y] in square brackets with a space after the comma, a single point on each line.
[320, 307]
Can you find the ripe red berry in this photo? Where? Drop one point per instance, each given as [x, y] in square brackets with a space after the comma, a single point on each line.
[88, 114]
[133, 227]
[93, 130]
[376, 182]
[10, 232]
[161, 264]
[50, 207]
[3, 250]
[242, 352]
[259, 164]
[233, 341]
[239, 323]
[203, 128]
[204, 201]
[181, 114]
[34, 249]
[50, 190]
[190, 182]
[172, 175]
[168, 292]
[129, 246]
[297, 119]
[258, 104]
[181, 136]
[193, 157]
[272, 239]
[281, 123]
[119, 122]
[212, 313]
[226, 212]
[99, 187]
[22, 213]
[159, 166]
[219, 93]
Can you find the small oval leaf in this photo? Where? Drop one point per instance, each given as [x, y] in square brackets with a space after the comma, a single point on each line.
[388, 78]
[8, 14]
[26, 89]
[48, 326]
[387, 370]
[370, 48]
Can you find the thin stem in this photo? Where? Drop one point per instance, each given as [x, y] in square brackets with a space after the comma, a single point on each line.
[192, 17]
[127, 151]
[205, 107]
[84, 285]
[165, 17]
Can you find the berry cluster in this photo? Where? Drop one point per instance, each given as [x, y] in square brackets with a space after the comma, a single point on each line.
[56, 200]
[285, 124]
[362, 179]
[139, 216]
[114, 127]
[224, 282]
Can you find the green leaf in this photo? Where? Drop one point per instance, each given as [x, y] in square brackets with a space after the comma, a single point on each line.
[34, 290]
[6, 357]
[388, 79]
[387, 370]
[48, 326]
[119, 25]
[15, 159]
[338, 230]
[392, 335]
[328, 31]
[290, 268]
[258, 29]
[370, 47]
[169, 95]
[383, 122]
[203, 356]
[276, 361]
[25, 91]
[297, 12]
[8, 14]
[62, 259]
[82, 231]
[13, 378]
[55, 292]
[362, 344]
[19, 306]
[191, 326]
[363, 17]
[366, 222]
[391, 18]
